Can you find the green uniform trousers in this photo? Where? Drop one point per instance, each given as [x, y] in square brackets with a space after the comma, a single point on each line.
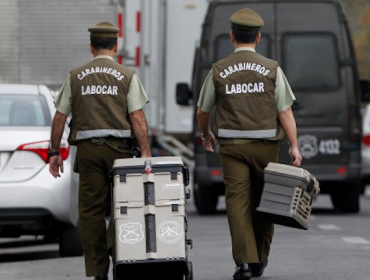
[94, 163]
[243, 164]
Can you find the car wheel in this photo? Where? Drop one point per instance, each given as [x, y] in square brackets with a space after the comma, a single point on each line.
[206, 199]
[70, 244]
[346, 198]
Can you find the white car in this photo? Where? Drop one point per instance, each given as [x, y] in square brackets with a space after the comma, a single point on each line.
[32, 202]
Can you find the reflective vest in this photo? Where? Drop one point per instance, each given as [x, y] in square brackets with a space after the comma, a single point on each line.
[99, 107]
[246, 105]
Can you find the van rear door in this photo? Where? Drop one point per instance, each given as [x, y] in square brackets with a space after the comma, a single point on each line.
[312, 50]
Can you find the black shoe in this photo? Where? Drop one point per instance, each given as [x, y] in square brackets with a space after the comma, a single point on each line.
[101, 277]
[258, 268]
[243, 272]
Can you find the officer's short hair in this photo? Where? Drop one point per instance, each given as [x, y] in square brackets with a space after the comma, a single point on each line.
[247, 36]
[105, 43]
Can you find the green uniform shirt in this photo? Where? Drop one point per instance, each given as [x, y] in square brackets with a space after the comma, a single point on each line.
[136, 97]
[283, 93]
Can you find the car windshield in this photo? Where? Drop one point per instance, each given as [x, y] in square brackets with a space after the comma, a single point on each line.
[24, 110]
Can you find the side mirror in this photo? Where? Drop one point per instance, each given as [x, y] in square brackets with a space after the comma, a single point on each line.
[183, 94]
[365, 90]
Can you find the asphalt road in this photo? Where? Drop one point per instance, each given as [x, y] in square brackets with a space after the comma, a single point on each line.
[336, 247]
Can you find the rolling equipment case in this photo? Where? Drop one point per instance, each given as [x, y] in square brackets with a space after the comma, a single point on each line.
[287, 195]
[150, 227]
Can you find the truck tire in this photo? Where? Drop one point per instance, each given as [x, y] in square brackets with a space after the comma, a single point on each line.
[70, 244]
[206, 199]
[346, 198]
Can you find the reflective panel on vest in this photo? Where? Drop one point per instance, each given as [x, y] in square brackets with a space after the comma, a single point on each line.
[86, 134]
[230, 133]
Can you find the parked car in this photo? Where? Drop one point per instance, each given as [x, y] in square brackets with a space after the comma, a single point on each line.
[319, 62]
[32, 202]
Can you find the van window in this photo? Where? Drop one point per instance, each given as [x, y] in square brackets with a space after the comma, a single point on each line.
[310, 61]
[24, 110]
[224, 47]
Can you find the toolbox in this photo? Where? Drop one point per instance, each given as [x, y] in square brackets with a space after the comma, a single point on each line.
[287, 195]
[150, 226]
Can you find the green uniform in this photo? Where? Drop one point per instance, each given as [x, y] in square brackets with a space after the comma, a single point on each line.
[100, 95]
[249, 92]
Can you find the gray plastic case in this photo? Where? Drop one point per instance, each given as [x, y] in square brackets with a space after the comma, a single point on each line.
[288, 195]
[149, 207]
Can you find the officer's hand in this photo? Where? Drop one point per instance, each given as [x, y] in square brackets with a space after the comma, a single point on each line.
[209, 142]
[296, 156]
[55, 164]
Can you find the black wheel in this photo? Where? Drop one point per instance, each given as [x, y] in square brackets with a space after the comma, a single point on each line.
[190, 273]
[206, 199]
[70, 244]
[346, 197]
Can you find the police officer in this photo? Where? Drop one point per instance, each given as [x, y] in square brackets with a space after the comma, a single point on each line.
[106, 101]
[253, 100]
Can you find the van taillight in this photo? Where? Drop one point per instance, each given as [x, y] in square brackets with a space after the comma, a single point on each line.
[342, 170]
[366, 140]
[354, 123]
[41, 148]
[216, 172]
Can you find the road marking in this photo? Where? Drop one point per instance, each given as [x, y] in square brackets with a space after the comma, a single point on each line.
[355, 240]
[329, 227]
